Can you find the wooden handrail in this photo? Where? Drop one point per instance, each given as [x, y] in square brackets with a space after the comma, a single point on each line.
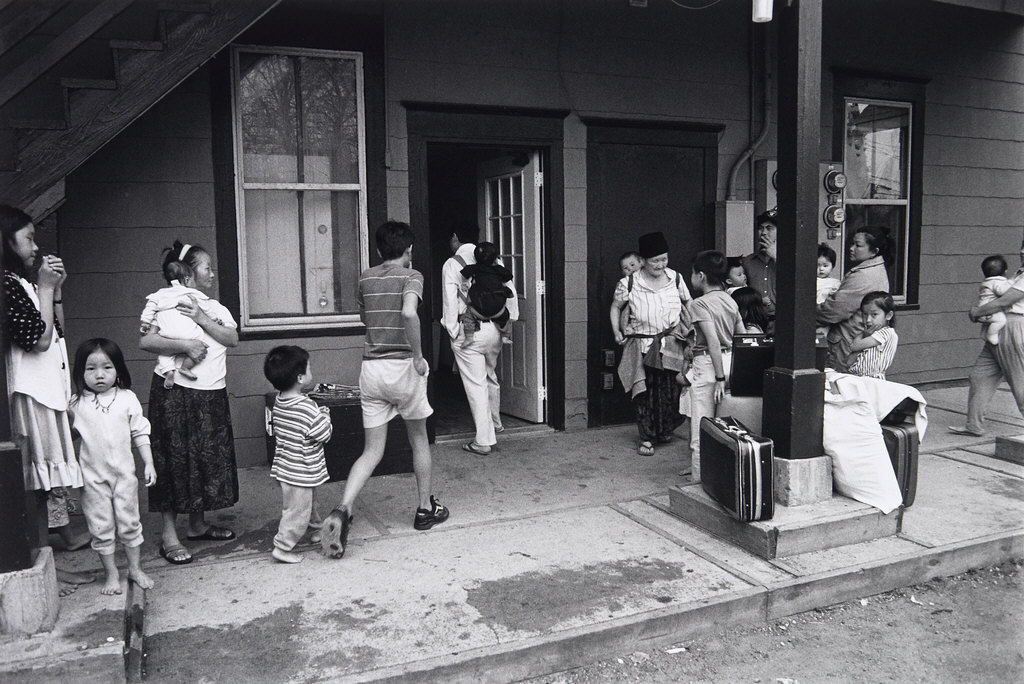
[39, 63]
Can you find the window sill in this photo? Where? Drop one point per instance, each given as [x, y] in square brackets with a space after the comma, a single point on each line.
[347, 331]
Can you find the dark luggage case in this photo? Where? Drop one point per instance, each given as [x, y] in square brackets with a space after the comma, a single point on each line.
[752, 355]
[902, 442]
[346, 443]
[736, 468]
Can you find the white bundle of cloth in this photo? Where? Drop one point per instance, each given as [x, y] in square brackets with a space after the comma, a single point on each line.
[852, 436]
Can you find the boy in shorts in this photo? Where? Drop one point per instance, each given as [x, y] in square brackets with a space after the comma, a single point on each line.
[392, 381]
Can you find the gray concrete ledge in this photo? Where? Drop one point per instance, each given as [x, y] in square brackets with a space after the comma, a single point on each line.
[656, 629]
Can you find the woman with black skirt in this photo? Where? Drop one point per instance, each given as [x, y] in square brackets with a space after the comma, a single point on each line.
[192, 441]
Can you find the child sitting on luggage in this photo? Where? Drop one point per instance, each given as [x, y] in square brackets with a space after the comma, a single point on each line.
[301, 428]
[752, 311]
[994, 284]
[826, 264]
[487, 292]
[737, 277]
[876, 346]
[629, 263]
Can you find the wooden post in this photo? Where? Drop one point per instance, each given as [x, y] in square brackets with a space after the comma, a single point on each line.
[794, 389]
[14, 521]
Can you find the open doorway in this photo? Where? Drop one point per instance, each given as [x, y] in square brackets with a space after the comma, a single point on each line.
[500, 189]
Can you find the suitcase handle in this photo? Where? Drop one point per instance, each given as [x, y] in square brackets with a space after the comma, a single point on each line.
[729, 429]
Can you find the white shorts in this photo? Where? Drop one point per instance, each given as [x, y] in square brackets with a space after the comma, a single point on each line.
[392, 387]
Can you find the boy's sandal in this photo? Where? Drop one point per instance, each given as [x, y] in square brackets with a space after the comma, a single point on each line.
[474, 448]
[176, 555]
[213, 533]
[645, 449]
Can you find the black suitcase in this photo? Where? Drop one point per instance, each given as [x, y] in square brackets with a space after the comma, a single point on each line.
[346, 443]
[752, 355]
[902, 442]
[736, 468]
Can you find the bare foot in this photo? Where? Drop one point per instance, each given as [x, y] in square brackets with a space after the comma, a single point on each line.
[112, 585]
[65, 589]
[69, 577]
[286, 556]
[140, 578]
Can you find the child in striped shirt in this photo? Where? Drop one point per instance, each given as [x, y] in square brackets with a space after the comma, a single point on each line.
[876, 346]
[300, 428]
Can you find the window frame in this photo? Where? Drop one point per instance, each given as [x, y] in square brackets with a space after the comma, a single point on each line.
[881, 88]
[301, 322]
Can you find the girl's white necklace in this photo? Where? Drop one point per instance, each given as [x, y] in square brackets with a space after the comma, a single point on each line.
[101, 407]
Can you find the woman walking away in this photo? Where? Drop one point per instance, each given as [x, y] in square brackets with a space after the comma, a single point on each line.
[656, 296]
[193, 445]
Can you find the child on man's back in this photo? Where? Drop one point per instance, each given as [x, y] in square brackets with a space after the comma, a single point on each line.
[161, 309]
[300, 430]
[826, 285]
[487, 292]
[876, 346]
[994, 284]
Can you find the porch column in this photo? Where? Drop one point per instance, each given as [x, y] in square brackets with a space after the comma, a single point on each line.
[794, 388]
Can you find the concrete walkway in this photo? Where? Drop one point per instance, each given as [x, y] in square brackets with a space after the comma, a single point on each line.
[559, 552]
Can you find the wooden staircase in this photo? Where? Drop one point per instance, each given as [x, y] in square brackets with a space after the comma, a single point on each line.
[50, 46]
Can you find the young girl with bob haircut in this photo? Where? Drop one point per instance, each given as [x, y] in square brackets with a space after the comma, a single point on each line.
[876, 346]
[108, 417]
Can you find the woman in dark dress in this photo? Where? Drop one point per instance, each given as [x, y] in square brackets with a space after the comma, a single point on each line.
[192, 441]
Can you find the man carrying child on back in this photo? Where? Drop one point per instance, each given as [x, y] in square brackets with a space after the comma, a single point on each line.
[477, 359]
[392, 381]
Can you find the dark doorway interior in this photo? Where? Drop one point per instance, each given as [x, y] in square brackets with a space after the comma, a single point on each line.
[451, 177]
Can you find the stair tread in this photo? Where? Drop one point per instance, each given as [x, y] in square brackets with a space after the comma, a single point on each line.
[38, 123]
[190, 7]
[151, 45]
[101, 83]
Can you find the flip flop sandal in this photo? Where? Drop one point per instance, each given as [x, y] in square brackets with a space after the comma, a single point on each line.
[173, 555]
[213, 533]
[964, 431]
[645, 449]
[473, 448]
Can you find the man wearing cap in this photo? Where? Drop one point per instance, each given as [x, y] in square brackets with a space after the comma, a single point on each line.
[760, 266]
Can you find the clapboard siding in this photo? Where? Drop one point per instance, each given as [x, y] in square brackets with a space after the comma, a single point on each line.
[974, 182]
[974, 152]
[154, 182]
[947, 239]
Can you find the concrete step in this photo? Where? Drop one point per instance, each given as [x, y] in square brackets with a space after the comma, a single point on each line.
[793, 530]
[1010, 449]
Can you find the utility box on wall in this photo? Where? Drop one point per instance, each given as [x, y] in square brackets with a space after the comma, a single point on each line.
[734, 227]
[831, 202]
